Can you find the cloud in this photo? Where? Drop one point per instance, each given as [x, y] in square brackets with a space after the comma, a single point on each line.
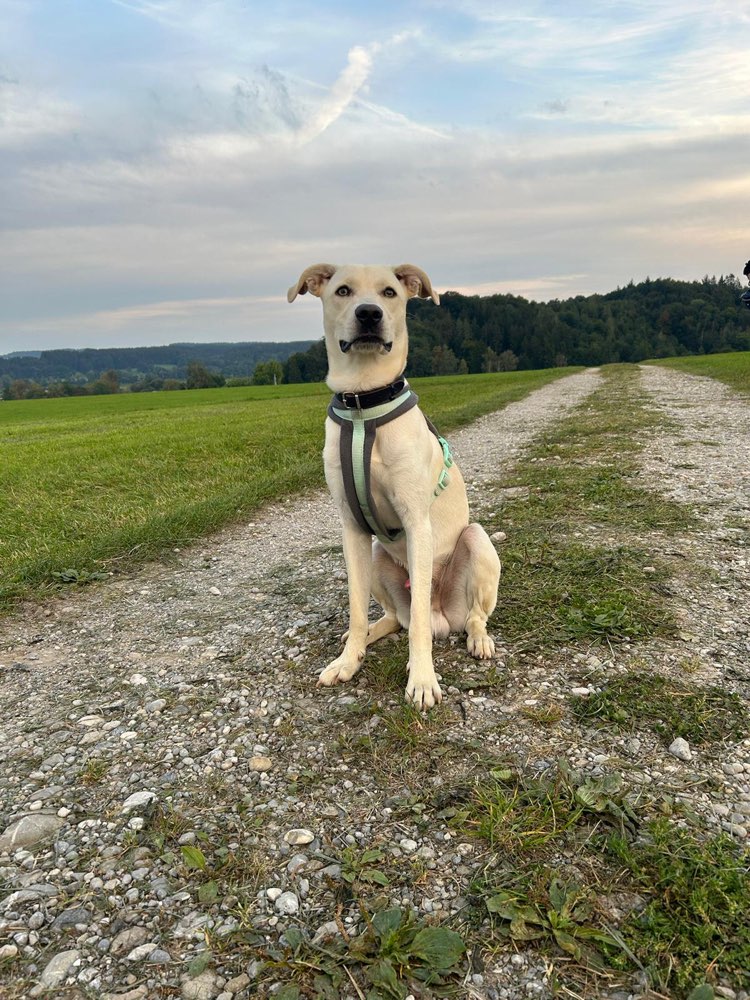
[343, 91]
[28, 115]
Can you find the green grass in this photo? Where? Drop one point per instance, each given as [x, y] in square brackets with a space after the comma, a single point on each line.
[563, 846]
[733, 368]
[694, 927]
[106, 481]
[702, 715]
[561, 582]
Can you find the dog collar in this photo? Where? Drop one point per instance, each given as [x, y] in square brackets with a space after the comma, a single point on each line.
[373, 397]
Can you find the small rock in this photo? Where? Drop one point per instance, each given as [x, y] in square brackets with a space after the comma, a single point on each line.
[255, 968]
[326, 932]
[215, 591]
[580, 692]
[57, 969]
[202, 987]
[7, 952]
[137, 680]
[408, 846]
[69, 918]
[128, 939]
[89, 721]
[237, 984]
[287, 904]
[298, 837]
[159, 957]
[260, 764]
[137, 801]
[680, 748]
[498, 536]
[141, 952]
[139, 993]
[156, 705]
[733, 767]
[273, 893]
[30, 830]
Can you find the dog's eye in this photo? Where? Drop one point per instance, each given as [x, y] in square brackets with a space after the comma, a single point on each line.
[343, 290]
[390, 293]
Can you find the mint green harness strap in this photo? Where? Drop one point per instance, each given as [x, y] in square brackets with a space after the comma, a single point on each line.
[358, 430]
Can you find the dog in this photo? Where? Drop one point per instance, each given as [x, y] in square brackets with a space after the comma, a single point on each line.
[431, 571]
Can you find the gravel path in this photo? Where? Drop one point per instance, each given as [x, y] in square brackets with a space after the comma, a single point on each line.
[180, 702]
[702, 458]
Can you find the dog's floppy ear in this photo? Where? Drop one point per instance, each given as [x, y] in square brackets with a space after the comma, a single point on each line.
[416, 282]
[311, 280]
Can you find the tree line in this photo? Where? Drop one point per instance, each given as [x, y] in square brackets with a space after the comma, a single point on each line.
[465, 334]
[652, 319]
[138, 364]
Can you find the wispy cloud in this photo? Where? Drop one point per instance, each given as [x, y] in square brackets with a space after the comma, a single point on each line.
[343, 91]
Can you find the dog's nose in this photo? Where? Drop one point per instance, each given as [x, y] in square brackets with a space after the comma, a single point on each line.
[368, 315]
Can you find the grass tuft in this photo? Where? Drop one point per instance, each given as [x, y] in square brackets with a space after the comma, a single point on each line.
[703, 715]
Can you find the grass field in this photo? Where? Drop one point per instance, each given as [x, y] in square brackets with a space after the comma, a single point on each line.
[734, 368]
[95, 482]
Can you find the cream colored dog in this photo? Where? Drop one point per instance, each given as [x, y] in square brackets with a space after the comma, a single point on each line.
[442, 574]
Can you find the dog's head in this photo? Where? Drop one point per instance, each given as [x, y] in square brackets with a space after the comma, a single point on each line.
[364, 316]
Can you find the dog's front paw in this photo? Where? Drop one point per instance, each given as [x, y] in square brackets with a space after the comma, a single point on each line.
[342, 669]
[423, 690]
[481, 646]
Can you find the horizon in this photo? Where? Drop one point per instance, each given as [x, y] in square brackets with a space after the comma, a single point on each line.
[310, 340]
[170, 167]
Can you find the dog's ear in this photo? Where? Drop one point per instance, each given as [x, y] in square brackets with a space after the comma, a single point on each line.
[416, 282]
[311, 280]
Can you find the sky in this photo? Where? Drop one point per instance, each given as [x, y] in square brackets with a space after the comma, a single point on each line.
[169, 167]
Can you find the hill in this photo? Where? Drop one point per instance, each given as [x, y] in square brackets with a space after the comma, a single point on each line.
[133, 363]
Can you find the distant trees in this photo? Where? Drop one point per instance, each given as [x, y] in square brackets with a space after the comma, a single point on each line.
[199, 377]
[21, 388]
[268, 373]
[107, 383]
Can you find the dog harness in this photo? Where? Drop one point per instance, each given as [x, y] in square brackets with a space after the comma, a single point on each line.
[359, 414]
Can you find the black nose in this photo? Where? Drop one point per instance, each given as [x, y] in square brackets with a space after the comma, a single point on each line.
[368, 315]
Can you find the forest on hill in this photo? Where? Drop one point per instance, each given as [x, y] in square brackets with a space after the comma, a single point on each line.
[652, 319]
[464, 334]
[133, 364]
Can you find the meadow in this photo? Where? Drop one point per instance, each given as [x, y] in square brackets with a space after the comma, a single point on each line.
[99, 483]
[732, 368]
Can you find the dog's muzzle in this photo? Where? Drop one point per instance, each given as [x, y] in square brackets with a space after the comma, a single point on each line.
[369, 318]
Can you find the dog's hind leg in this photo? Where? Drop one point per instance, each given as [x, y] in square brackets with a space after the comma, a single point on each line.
[469, 589]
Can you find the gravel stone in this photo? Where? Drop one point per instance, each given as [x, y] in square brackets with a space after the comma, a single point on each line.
[680, 748]
[30, 830]
[287, 903]
[58, 968]
[138, 800]
[128, 939]
[299, 837]
[202, 987]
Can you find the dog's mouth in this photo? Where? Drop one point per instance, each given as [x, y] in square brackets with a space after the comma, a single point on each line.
[365, 342]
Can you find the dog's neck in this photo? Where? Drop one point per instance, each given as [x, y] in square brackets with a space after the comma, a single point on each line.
[364, 371]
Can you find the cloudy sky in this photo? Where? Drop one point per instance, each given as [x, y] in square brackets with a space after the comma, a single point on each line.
[168, 167]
